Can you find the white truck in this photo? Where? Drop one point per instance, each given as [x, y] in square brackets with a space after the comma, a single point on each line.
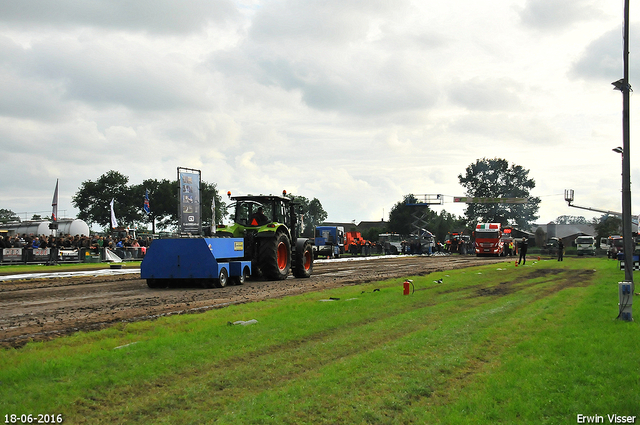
[586, 245]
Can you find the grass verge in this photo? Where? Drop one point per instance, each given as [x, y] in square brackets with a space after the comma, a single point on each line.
[42, 268]
[491, 344]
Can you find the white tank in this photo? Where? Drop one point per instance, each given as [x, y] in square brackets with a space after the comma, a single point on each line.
[65, 226]
[73, 227]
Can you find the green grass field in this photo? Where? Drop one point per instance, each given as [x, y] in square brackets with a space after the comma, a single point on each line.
[495, 344]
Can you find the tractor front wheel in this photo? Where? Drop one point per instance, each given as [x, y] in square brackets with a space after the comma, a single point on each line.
[274, 257]
[303, 264]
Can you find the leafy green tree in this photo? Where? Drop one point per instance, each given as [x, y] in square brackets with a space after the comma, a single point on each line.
[495, 178]
[163, 202]
[94, 197]
[209, 191]
[403, 215]
[607, 225]
[8, 215]
[373, 233]
[445, 223]
[313, 214]
[400, 216]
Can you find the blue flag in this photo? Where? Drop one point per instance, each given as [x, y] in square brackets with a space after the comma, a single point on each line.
[146, 207]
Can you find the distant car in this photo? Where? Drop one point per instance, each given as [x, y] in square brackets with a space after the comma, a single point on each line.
[551, 247]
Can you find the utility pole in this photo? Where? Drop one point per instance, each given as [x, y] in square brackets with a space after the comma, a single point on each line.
[624, 86]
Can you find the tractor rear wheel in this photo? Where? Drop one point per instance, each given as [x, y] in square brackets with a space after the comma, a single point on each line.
[274, 256]
[303, 264]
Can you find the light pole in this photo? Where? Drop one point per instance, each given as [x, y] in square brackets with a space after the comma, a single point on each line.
[624, 86]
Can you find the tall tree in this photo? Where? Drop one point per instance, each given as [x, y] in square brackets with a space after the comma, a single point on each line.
[313, 214]
[444, 223]
[209, 191]
[607, 225]
[495, 178]
[93, 198]
[163, 202]
[402, 217]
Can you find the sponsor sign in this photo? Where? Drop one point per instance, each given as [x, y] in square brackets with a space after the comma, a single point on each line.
[40, 254]
[190, 218]
[12, 254]
[68, 255]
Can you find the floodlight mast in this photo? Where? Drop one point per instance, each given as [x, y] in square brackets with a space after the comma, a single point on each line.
[568, 196]
[625, 88]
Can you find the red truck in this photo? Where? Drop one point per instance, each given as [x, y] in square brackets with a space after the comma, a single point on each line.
[489, 239]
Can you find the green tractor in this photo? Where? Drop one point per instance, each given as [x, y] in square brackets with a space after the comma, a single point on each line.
[270, 230]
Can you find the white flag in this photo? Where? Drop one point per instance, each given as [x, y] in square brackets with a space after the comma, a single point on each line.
[114, 222]
[54, 204]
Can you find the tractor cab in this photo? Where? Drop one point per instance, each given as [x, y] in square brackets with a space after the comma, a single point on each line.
[270, 229]
[263, 213]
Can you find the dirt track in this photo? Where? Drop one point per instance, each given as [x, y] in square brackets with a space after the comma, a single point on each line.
[41, 309]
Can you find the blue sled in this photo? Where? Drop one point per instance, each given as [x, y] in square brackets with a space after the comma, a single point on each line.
[207, 262]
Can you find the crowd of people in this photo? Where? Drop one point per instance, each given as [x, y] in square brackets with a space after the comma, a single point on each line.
[71, 242]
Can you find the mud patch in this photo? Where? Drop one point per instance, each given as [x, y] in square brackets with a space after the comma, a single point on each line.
[494, 290]
[41, 309]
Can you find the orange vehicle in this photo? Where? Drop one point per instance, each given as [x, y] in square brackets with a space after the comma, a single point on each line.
[355, 244]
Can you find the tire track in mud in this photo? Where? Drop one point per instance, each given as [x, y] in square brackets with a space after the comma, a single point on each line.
[42, 309]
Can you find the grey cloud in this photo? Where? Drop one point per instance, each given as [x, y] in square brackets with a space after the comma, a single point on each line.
[323, 50]
[369, 88]
[488, 95]
[22, 98]
[98, 74]
[509, 128]
[554, 15]
[155, 16]
[602, 59]
[324, 21]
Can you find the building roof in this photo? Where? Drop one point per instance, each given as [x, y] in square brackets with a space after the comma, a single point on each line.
[566, 230]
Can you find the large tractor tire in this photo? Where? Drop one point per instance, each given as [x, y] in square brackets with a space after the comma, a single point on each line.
[303, 262]
[274, 257]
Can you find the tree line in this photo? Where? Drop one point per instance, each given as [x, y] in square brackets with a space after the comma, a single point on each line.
[486, 178]
[93, 200]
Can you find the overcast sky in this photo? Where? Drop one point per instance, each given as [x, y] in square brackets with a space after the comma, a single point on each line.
[356, 103]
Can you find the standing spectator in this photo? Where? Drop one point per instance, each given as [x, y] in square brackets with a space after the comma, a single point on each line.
[560, 250]
[523, 251]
